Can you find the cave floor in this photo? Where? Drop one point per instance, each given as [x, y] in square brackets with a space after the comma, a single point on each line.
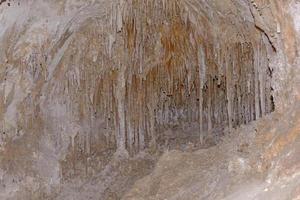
[256, 161]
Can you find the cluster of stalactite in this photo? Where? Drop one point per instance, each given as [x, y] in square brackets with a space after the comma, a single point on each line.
[152, 71]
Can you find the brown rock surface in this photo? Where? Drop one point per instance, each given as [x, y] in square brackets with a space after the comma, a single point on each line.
[92, 92]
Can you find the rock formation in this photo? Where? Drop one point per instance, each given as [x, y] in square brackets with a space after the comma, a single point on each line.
[85, 85]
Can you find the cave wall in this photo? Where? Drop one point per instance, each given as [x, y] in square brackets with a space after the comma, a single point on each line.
[80, 80]
[279, 21]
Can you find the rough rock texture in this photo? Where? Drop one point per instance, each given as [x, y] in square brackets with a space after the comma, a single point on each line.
[256, 162]
[89, 90]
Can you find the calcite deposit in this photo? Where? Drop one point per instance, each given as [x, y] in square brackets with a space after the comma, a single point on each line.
[92, 92]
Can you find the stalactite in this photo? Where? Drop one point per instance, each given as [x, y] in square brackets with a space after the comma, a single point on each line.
[256, 80]
[228, 89]
[158, 72]
[209, 105]
[262, 79]
[202, 75]
[120, 125]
